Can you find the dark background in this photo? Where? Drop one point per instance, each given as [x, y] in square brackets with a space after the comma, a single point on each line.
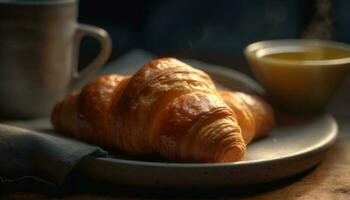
[213, 31]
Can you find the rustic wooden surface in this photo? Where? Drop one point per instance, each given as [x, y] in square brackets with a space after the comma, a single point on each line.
[329, 180]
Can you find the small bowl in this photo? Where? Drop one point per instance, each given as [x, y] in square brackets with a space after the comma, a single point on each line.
[304, 80]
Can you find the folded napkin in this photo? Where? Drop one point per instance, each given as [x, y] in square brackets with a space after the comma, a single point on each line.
[43, 157]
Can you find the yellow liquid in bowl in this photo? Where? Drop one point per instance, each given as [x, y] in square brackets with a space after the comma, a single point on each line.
[300, 77]
[309, 54]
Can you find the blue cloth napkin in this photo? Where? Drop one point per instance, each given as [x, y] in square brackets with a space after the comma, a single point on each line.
[43, 157]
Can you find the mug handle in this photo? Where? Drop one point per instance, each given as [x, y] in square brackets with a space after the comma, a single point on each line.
[105, 50]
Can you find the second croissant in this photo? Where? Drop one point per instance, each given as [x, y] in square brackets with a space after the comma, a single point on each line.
[166, 108]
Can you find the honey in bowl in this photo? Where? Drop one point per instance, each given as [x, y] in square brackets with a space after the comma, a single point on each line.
[299, 75]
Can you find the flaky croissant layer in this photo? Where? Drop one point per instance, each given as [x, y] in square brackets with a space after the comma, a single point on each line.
[167, 108]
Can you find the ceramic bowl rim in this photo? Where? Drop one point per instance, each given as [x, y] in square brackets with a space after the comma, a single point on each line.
[251, 52]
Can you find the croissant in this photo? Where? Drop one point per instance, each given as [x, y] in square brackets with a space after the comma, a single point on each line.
[167, 108]
[255, 116]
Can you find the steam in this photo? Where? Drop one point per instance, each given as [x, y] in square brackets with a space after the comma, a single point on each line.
[320, 26]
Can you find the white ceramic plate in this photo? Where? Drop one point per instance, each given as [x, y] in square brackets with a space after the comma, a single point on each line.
[288, 150]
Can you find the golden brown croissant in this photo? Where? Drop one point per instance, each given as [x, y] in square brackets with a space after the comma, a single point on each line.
[167, 107]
